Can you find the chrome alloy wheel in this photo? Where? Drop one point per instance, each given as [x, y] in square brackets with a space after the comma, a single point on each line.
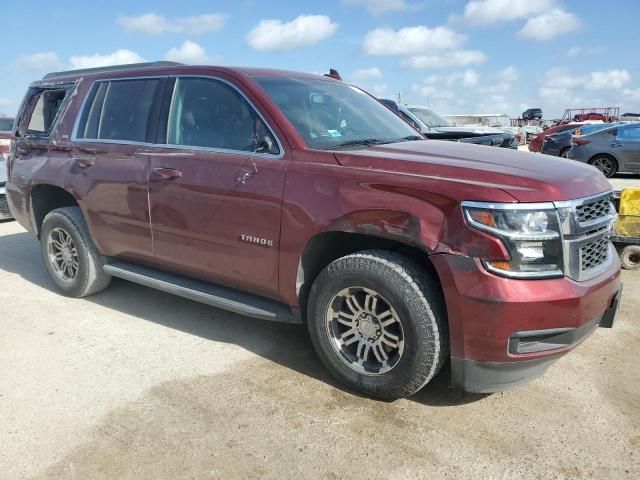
[63, 255]
[605, 165]
[365, 331]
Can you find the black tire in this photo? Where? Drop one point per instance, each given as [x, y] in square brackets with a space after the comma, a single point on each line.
[630, 257]
[564, 153]
[89, 275]
[410, 292]
[606, 164]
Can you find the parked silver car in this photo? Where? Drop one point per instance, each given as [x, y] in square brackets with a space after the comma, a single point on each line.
[614, 149]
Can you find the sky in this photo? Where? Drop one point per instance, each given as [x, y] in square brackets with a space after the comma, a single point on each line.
[456, 56]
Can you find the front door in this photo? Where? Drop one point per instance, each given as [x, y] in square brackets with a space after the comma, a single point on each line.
[216, 189]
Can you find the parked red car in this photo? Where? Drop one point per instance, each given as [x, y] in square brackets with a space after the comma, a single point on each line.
[592, 116]
[296, 197]
[536, 142]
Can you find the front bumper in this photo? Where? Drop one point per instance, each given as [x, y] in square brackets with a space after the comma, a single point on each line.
[505, 332]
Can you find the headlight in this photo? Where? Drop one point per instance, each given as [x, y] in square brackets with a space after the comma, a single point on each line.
[529, 232]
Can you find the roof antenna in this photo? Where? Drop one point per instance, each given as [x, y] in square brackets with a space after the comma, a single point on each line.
[333, 73]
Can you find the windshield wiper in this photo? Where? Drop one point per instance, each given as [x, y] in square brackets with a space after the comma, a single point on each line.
[367, 142]
[411, 137]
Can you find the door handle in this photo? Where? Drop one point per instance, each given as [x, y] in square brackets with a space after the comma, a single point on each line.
[84, 162]
[244, 176]
[616, 145]
[161, 173]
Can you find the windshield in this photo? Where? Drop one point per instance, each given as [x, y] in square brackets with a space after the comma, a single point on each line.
[6, 124]
[330, 114]
[429, 117]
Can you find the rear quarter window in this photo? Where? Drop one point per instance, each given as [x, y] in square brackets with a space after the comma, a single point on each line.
[119, 110]
[47, 104]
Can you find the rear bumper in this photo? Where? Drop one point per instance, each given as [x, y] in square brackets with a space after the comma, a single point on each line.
[506, 332]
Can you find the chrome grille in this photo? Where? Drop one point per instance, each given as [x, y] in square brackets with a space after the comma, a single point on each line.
[586, 224]
[594, 254]
[593, 211]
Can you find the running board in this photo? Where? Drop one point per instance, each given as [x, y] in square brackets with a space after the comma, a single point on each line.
[203, 292]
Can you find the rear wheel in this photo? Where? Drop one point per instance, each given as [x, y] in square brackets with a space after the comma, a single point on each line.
[564, 153]
[607, 165]
[378, 323]
[630, 257]
[70, 256]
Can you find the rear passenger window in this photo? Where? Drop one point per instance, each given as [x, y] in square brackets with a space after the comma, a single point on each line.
[630, 134]
[45, 111]
[209, 113]
[120, 110]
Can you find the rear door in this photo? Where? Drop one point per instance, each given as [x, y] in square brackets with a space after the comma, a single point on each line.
[627, 147]
[216, 189]
[119, 119]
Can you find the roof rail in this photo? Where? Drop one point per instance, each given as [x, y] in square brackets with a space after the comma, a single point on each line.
[109, 68]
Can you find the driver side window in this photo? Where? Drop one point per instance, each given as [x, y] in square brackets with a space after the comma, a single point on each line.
[210, 113]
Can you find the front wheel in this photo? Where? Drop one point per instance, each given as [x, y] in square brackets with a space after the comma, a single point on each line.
[605, 164]
[378, 323]
[70, 256]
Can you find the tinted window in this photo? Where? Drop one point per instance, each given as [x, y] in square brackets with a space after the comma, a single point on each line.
[120, 110]
[45, 111]
[429, 117]
[329, 114]
[210, 113]
[629, 133]
[408, 119]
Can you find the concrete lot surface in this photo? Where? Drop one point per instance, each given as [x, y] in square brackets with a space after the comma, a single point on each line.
[135, 384]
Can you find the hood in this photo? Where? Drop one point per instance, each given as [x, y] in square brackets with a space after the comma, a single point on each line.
[472, 129]
[527, 177]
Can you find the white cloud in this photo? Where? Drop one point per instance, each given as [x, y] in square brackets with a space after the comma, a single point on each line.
[302, 31]
[410, 40]
[509, 74]
[609, 79]
[366, 74]
[549, 25]
[560, 79]
[632, 94]
[38, 62]
[382, 6]
[498, 88]
[432, 91]
[379, 90]
[468, 78]
[488, 12]
[560, 88]
[574, 52]
[456, 58]
[154, 24]
[119, 57]
[189, 52]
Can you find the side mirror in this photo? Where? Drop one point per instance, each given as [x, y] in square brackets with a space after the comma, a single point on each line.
[266, 145]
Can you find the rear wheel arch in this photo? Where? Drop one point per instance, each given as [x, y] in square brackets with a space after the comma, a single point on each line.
[46, 197]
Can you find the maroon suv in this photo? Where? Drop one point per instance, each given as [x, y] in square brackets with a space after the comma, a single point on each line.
[299, 198]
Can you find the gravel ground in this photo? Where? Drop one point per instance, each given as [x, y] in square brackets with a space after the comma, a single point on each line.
[133, 383]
